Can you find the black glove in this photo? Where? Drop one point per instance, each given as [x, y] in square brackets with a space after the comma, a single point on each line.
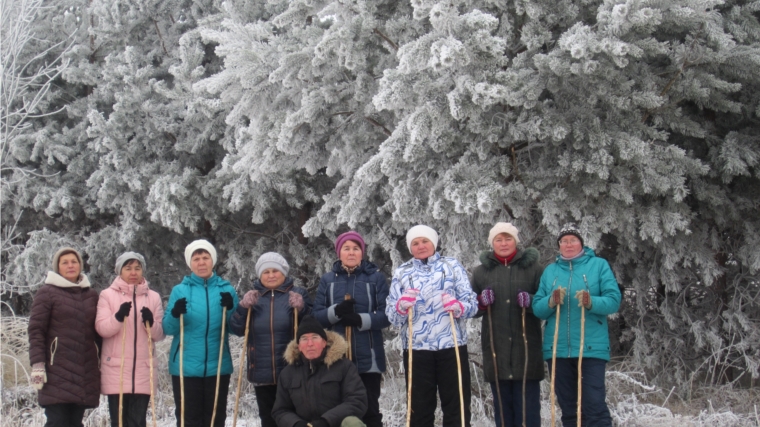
[227, 300]
[320, 422]
[352, 319]
[344, 308]
[147, 316]
[180, 307]
[123, 312]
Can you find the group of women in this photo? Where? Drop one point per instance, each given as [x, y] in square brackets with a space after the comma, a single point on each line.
[429, 298]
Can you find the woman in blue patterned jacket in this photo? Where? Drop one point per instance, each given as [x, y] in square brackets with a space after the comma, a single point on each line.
[433, 286]
[364, 313]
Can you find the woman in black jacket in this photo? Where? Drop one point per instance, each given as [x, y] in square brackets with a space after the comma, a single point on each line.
[272, 302]
[505, 282]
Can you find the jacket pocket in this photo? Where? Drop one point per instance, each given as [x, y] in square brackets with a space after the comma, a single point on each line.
[53, 348]
[330, 387]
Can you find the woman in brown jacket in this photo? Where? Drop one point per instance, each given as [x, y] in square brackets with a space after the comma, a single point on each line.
[63, 344]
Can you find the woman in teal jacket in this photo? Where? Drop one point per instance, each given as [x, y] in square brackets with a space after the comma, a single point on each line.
[200, 299]
[578, 272]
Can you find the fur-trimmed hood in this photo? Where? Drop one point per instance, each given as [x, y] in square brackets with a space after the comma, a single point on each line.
[56, 279]
[525, 258]
[336, 349]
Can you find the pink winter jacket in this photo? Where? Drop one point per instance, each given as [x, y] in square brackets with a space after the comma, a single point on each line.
[136, 360]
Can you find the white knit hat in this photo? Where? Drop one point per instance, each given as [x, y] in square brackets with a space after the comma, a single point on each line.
[503, 227]
[200, 244]
[421, 231]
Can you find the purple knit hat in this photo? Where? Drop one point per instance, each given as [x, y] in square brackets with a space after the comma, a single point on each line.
[349, 235]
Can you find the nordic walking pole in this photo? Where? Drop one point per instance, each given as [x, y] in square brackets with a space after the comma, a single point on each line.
[409, 376]
[181, 370]
[459, 366]
[242, 359]
[525, 369]
[150, 362]
[496, 369]
[219, 365]
[554, 361]
[585, 300]
[348, 331]
[121, 373]
[295, 326]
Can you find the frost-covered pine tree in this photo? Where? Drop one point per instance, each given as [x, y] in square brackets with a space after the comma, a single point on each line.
[634, 119]
[298, 81]
[544, 112]
[275, 125]
[121, 164]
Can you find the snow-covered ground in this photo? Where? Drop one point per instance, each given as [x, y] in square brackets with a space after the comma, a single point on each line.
[633, 402]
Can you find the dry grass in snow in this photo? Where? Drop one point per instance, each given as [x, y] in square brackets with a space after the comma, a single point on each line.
[633, 402]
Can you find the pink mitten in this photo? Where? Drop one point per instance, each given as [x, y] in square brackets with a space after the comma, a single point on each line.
[295, 300]
[407, 300]
[249, 299]
[452, 305]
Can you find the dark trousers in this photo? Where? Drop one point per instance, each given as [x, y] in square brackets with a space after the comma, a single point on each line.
[373, 417]
[594, 411]
[437, 371]
[511, 400]
[64, 415]
[199, 400]
[265, 397]
[133, 412]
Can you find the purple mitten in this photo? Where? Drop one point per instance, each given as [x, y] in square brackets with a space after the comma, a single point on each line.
[523, 299]
[486, 298]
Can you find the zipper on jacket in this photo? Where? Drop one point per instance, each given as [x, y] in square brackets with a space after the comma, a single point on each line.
[208, 322]
[271, 334]
[134, 359]
[53, 349]
[569, 285]
[353, 333]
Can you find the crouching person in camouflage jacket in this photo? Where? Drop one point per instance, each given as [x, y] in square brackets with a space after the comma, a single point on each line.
[319, 387]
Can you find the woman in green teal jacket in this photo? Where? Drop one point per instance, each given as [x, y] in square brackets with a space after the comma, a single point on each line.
[200, 299]
[578, 280]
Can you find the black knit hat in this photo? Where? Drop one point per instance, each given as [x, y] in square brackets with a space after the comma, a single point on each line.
[310, 325]
[570, 229]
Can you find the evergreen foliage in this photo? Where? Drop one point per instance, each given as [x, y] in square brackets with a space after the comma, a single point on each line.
[276, 125]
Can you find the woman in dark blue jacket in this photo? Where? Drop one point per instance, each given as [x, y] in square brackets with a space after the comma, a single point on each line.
[272, 301]
[352, 296]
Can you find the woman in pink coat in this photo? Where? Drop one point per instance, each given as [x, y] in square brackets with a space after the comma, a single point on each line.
[124, 308]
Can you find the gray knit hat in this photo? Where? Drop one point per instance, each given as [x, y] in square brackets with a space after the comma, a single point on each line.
[126, 257]
[271, 260]
[63, 251]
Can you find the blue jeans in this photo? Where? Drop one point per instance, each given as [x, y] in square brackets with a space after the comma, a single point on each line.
[511, 400]
[594, 411]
